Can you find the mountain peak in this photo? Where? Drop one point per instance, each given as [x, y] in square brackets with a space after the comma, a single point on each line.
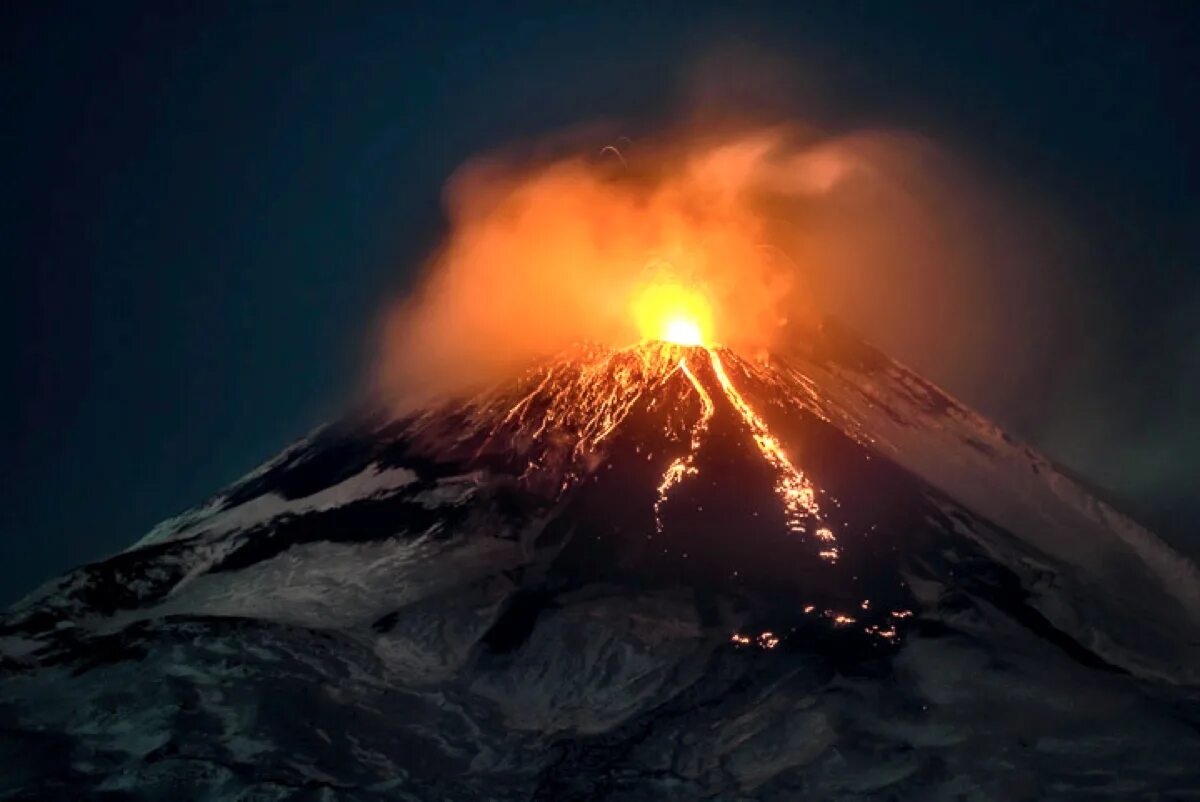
[705, 573]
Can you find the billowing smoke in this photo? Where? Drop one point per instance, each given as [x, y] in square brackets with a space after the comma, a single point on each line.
[772, 226]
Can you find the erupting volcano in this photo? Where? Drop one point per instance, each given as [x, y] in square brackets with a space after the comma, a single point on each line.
[686, 558]
[675, 319]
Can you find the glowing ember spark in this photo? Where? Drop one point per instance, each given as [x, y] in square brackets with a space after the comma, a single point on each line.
[887, 633]
[768, 640]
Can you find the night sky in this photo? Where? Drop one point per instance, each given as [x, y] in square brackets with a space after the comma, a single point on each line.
[205, 208]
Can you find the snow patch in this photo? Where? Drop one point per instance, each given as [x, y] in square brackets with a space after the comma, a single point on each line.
[212, 519]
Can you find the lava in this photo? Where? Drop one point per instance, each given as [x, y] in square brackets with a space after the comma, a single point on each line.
[589, 397]
[793, 487]
[682, 467]
[586, 397]
[676, 312]
[562, 414]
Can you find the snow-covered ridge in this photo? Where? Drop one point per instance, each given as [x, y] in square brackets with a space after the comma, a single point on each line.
[216, 517]
[369, 619]
[976, 463]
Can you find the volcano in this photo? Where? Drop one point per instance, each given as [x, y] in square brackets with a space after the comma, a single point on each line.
[665, 572]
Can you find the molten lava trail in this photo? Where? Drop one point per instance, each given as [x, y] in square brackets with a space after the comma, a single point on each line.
[794, 489]
[588, 397]
[683, 467]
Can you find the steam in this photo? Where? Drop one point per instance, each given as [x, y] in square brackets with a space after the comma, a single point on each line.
[774, 225]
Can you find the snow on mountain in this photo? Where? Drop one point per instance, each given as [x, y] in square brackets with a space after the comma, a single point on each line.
[658, 573]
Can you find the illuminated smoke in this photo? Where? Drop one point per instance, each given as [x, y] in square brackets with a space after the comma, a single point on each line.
[741, 238]
[542, 256]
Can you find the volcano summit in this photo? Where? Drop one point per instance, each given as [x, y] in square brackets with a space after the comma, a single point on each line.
[660, 572]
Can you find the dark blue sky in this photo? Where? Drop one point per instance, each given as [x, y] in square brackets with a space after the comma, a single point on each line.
[204, 208]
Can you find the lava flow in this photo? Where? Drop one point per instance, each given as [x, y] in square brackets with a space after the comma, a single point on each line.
[795, 490]
[679, 314]
[682, 467]
[586, 398]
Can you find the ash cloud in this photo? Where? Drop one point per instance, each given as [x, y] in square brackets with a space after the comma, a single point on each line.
[777, 223]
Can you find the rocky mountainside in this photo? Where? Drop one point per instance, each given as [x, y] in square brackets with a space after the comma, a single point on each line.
[646, 574]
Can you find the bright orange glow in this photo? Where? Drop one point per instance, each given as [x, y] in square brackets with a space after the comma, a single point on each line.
[741, 234]
[674, 313]
[575, 291]
[670, 245]
[683, 332]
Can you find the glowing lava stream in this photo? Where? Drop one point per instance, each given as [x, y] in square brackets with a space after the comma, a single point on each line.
[682, 467]
[792, 486]
[588, 397]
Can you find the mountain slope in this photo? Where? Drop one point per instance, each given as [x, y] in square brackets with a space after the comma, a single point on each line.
[661, 572]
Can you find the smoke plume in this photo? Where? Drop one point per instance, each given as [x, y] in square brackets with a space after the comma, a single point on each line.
[773, 226]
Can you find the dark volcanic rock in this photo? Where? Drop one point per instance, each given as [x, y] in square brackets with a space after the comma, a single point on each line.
[497, 600]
